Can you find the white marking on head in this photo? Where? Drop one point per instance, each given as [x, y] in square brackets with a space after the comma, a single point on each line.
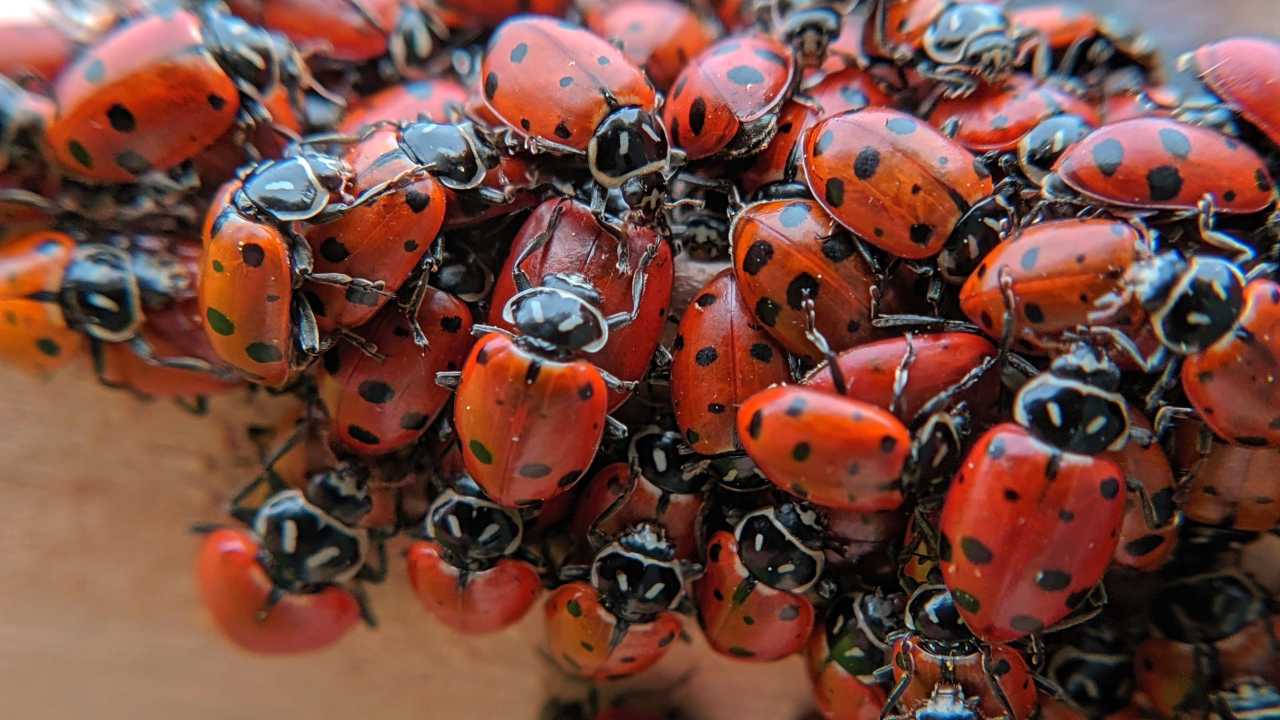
[1096, 424]
[622, 581]
[489, 531]
[323, 556]
[1055, 413]
[654, 591]
[279, 185]
[569, 323]
[659, 460]
[289, 537]
[455, 527]
[1198, 318]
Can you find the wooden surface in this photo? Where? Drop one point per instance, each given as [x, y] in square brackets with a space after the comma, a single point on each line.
[98, 616]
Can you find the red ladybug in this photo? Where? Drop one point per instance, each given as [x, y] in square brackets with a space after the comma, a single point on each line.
[620, 623]
[161, 88]
[1152, 517]
[1238, 74]
[657, 35]
[940, 670]
[1094, 668]
[1089, 46]
[955, 43]
[563, 238]
[720, 357]
[788, 251]
[895, 182]
[468, 572]
[845, 651]
[1235, 487]
[381, 404]
[997, 117]
[1012, 484]
[751, 600]
[726, 101]
[486, 14]
[435, 99]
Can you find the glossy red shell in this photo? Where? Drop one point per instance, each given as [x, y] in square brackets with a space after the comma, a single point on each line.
[234, 589]
[33, 333]
[996, 117]
[434, 98]
[544, 79]
[1157, 163]
[738, 81]
[34, 47]
[379, 406]
[175, 331]
[744, 618]
[721, 356]
[1235, 487]
[785, 251]
[529, 426]
[941, 360]
[616, 499]
[1242, 71]
[580, 635]
[891, 179]
[1026, 532]
[336, 28]
[657, 35]
[1144, 546]
[825, 448]
[146, 97]
[1061, 23]
[839, 695]
[471, 602]
[1059, 271]
[1235, 383]
[484, 14]
[928, 670]
[580, 245]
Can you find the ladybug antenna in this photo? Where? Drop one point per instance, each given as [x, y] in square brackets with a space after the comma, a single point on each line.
[902, 374]
[820, 342]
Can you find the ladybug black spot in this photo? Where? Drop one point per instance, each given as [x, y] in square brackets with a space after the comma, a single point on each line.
[1002, 667]
[748, 620]
[586, 392]
[741, 652]
[602, 60]
[678, 344]
[569, 478]
[1229, 196]
[133, 163]
[706, 300]
[867, 163]
[220, 323]
[252, 254]
[574, 608]
[1053, 580]
[802, 286]
[587, 646]
[358, 433]
[80, 153]
[1066, 516]
[48, 347]
[796, 407]
[713, 554]
[518, 52]
[95, 71]
[1029, 259]
[758, 255]
[1164, 183]
[966, 601]
[667, 640]
[417, 201]
[1175, 142]
[261, 352]
[480, 452]
[1026, 624]
[1012, 495]
[376, 391]
[767, 311]
[744, 75]
[413, 421]
[976, 552]
[410, 246]
[562, 131]
[824, 142]
[697, 115]
[706, 356]
[985, 319]
[921, 233]
[855, 98]
[534, 470]
[901, 125]
[762, 352]
[1108, 156]
[793, 215]
[691, 436]
[216, 101]
[715, 408]
[525, 124]
[771, 56]
[1109, 488]
[715, 593]
[753, 427]
[490, 85]
[121, 119]
[801, 451]
[999, 122]
[888, 443]
[1261, 179]
[853, 326]
[916, 189]
[1144, 545]
[333, 250]
[1033, 312]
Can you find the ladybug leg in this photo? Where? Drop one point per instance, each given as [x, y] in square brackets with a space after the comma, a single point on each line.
[196, 404]
[430, 263]
[900, 688]
[359, 343]
[375, 570]
[144, 352]
[953, 82]
[522, 281]
[638, 280]
[1205, 212]
[901, 375]
[939, 401]
[1168, 379]
[362, 601]
[307, 335]
[1032, 42]
[480, 329]
[615, 428]
[819, 341]
[449, 379]
[1167, 415]
[993, 682]
[616, 384]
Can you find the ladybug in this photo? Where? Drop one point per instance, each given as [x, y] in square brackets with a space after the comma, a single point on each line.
[955, 43]
[720, 357]
[1235, 75]
[518, 394]
[726, 101]
[23, 118]
[35, 47]
[1010, 484]
[751, 601]
[1158, 164]
[487, 14]
[1076, 405]
[250, 610]
[657, 35]
[562, 238]
[941, 670]
[1152, 517]
[845, 651]
[562, 89]
[796, 248]
[1246, 697]
[1091, 47]
[660, 483]
[621, 622]
[1056, 272]
[468, 570]
[435, 99]
[997, 117]
[1232, 382]
[382, 405]
[160, 88]
[1235, 487]
[896, 183]
[1094, 669]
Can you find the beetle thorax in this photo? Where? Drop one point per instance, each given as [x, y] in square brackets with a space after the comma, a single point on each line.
[975, 36]
[559, 317]
[474, 531]
[637, 575]
[303, 547]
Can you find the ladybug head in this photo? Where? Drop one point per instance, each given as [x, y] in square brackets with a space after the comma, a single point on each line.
[560, 316]
[782, 546]
[1087, 363]
[1193, 303]
[975, 36]
[638, 575]
[1039, 150]
[247, 53]
[304, 547]
[809, 32]
[862, 623]
[1075, 405]
[292, 189]
[100, 294]
[1098, 680]
[629, 143]
[932, 614]
[451, 152]
[342, 491]
[1207, 608]
[462, 273]
[474, 531]
[660, 456]
[411, 42]
[948, 702]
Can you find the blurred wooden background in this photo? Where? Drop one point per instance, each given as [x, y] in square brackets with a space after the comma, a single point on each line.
[98, 614]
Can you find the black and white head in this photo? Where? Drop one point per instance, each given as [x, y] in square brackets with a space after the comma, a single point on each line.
[1076, 405]
[638, 575]
[559, 317]
[932, 615]
[1039, 149]
[100, 295]
[342, 491]
[809, 31]
[781, 546]
[630, 143]
[663, 458]
[453, 152]
[976, 37]
[294, 188]
[303, 547]
[474, 531]
[1192, 303]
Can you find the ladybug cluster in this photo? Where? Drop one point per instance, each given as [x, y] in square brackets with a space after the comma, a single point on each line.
[976, 407]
